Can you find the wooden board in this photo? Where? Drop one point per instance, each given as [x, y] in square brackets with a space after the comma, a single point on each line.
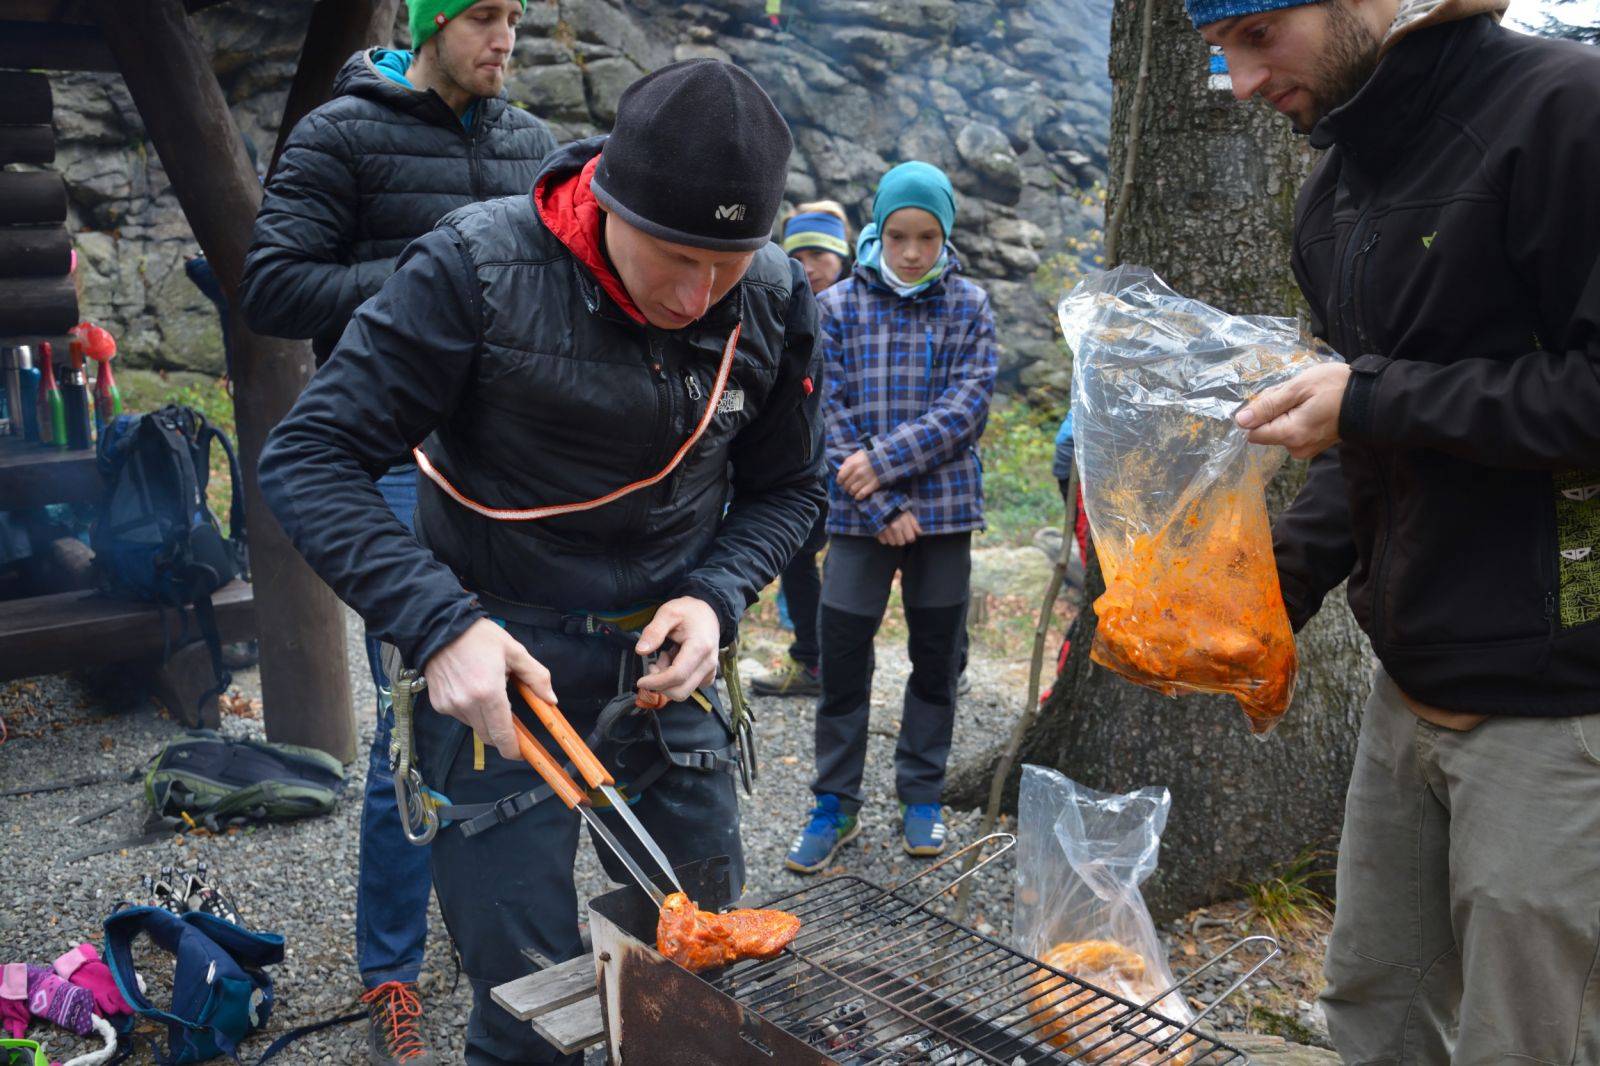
[545, 991]
[52, 46]
[573, 1028]
[25, 99]
[32, 475]
[69, 630]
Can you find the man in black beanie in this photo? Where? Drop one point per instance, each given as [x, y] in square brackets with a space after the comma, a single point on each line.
[588, 374]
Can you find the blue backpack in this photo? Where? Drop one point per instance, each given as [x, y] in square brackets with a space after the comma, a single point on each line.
[154, 538]
[221, 992]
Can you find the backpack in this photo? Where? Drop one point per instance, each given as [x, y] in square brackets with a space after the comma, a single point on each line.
[154, 539]
[221, 992]
[218, 781]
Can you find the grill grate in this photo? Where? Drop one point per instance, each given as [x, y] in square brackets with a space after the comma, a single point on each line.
[876, 978]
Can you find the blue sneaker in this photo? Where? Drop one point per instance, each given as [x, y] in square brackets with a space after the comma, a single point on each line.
[923, 828]
[828, 831]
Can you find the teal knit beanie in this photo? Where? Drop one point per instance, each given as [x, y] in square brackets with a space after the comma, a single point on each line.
[916, 185]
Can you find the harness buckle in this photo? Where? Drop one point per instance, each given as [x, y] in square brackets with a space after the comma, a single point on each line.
[507, 808]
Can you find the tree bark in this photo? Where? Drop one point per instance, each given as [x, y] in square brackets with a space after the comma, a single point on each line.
[305, 684]
[1212, 213]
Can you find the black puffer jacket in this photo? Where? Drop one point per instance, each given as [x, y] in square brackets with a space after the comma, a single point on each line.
[361, 177]
[1449, 247]
[531, 386]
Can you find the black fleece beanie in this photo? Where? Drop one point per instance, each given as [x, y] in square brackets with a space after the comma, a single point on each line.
[699, 156]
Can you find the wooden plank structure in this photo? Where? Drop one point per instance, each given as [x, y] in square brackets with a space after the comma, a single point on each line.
[561, 1003]
[304, 673]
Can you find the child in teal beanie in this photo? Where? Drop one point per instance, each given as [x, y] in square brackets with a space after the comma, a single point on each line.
[909, 362]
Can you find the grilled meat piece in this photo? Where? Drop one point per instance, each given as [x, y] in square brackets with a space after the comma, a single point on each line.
[699, 940]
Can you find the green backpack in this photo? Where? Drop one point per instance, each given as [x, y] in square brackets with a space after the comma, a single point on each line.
[204, 778]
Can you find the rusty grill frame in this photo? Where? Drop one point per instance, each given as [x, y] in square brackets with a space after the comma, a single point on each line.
[874, 976]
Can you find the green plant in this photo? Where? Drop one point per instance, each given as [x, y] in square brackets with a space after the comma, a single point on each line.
[1018, 448]
[1289, 900]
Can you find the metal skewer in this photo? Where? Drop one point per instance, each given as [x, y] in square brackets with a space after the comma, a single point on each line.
[567, 790]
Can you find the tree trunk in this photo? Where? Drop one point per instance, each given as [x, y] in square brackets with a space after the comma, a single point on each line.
[334, 31]
[1212, 213]
[305, 684]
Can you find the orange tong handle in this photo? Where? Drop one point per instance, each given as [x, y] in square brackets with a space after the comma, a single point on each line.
[590, 768]
[558, 779]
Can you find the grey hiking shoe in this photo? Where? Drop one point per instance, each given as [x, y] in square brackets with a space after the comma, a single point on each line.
[394, 1017]
[794, 679]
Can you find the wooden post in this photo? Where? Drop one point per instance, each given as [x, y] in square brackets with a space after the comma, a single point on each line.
[305, 682]
[337, 28]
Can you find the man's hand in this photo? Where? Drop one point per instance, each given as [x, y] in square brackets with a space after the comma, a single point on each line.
[467, 681]
[901, 530]
[857, 477]
[686, 633]
[1302, 414]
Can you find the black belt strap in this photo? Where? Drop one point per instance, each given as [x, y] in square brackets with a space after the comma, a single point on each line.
[572, 623]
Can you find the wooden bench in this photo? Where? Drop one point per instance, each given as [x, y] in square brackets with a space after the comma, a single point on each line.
[75, 630]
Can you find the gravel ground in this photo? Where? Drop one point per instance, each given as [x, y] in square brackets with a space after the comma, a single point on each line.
[299, 879]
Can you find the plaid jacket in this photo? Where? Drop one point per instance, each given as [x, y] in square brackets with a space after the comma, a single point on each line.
[909, 380]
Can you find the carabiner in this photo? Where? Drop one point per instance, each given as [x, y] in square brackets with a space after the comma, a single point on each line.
[415, 808]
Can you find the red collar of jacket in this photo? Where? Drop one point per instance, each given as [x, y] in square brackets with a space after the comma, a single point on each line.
[568, 207]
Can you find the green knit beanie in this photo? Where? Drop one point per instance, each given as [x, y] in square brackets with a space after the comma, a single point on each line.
[429, 16]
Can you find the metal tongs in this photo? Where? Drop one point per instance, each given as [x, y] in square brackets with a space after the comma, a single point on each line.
[598, 778]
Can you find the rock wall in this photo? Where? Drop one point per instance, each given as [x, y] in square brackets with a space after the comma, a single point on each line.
[1011, 97]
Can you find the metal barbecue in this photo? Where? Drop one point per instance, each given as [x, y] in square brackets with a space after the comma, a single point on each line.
[874, 977]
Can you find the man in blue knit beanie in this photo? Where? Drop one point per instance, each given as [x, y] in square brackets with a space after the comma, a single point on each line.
[1448, 246]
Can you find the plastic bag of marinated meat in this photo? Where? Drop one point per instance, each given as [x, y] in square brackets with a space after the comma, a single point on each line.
[1081, 856]
[1175, 492]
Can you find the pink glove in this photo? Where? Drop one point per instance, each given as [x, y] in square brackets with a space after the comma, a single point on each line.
[14, 1013]
[55, 1000]
[82, 967]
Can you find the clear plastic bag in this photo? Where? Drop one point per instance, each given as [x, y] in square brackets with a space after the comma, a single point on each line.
[1081, 856]
[1175, 492]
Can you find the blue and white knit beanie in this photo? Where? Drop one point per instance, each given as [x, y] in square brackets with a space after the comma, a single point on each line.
[818, 226]
[1204, 12]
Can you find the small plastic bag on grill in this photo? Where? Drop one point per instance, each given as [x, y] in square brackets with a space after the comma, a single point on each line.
[1081, 856]
[1175, 492]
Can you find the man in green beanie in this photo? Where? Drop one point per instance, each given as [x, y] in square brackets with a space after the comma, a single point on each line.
[407, 138]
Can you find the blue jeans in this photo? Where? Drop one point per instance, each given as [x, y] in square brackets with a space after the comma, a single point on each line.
[394, 879]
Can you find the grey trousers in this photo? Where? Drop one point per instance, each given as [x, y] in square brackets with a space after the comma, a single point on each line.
[1468, 924]
[934, 573]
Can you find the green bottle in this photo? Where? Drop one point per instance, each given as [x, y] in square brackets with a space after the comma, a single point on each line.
[52, 408]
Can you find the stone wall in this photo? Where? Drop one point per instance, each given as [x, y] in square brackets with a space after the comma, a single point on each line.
[1011, 97]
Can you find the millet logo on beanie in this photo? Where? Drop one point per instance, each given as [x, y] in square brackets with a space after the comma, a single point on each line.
[699, 156]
